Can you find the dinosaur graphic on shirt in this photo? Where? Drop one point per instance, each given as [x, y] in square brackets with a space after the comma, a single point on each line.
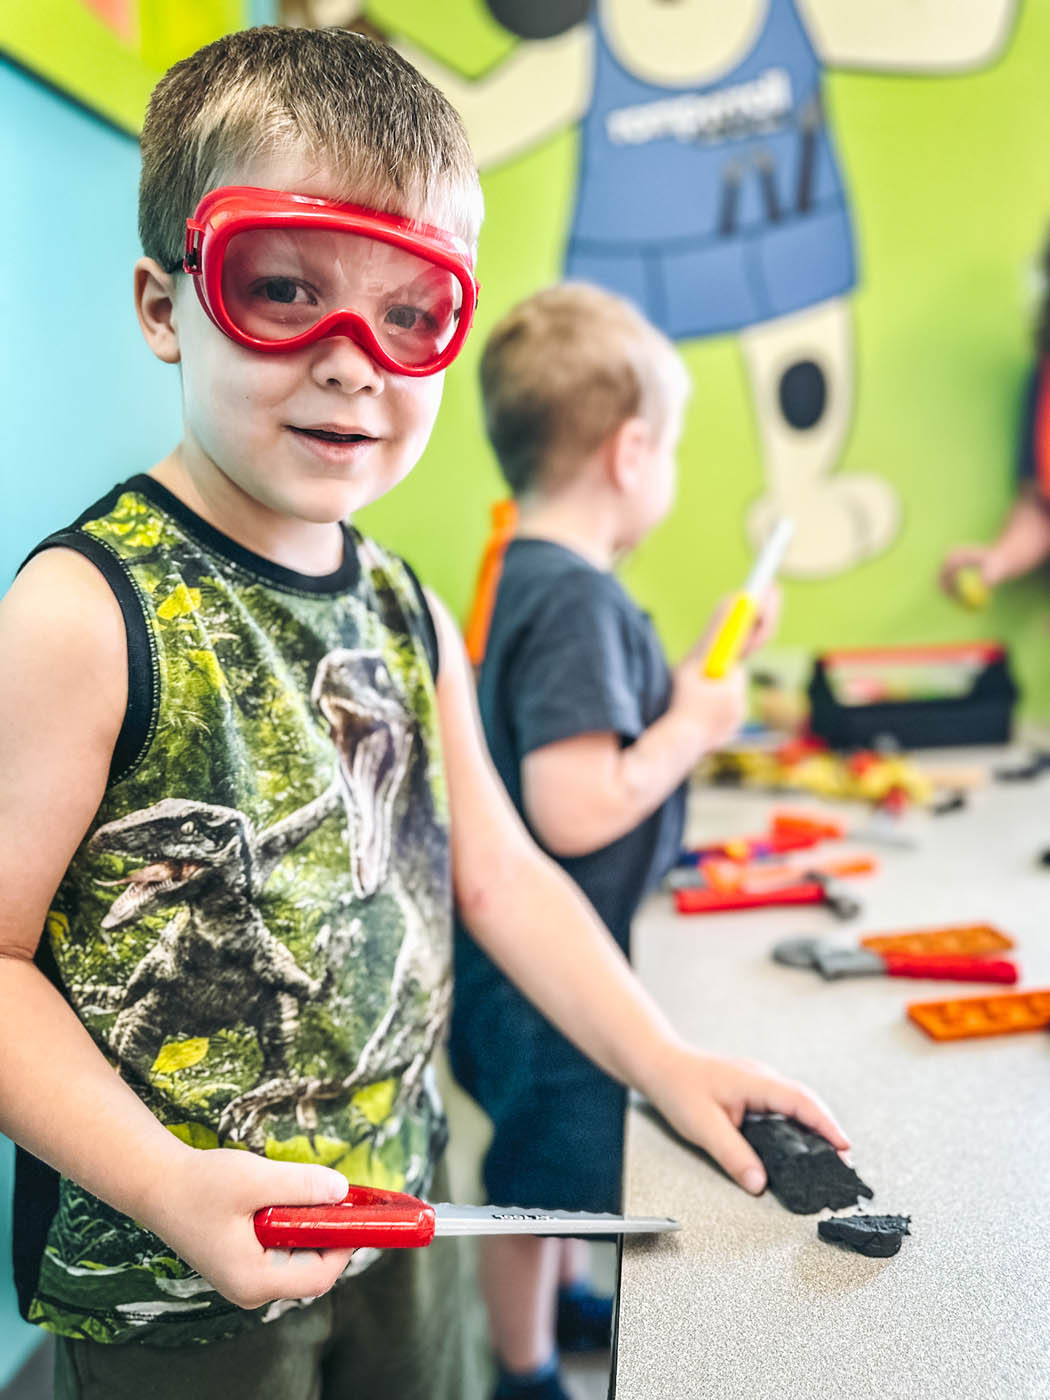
[380, 757]
[217, 964]
[216, 961]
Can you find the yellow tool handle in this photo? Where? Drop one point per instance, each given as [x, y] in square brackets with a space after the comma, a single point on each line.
[729, 640]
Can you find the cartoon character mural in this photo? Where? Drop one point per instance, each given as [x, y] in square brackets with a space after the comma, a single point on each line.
[709, 191]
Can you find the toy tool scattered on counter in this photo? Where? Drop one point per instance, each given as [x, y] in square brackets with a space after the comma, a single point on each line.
[732, 635]
[877, 1236]
[978, 1016]
[809, 888]
[833, 962]
[964, 940]
[804, 1171]
[788, 831]
[368, 1217]
[1027, 770]
[761, 875]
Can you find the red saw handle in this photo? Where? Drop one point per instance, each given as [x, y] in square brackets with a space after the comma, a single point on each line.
[946, 968]
[365, 1216]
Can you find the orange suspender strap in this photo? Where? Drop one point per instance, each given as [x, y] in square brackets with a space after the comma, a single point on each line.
[1041, 431]
[504, 517]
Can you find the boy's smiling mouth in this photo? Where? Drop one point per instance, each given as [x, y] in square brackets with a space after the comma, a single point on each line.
[331, 434]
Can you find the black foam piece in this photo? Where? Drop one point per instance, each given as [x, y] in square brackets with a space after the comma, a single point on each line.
[878, 1236]
[805, 1172]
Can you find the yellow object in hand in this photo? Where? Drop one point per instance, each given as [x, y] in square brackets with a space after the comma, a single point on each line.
[731, 636]
[970, 587]
[735, 628]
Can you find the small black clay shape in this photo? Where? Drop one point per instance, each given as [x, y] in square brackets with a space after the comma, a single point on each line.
[805, 1172]
[878, 1236]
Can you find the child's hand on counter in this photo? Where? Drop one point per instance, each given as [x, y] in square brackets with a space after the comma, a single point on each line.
[705, 1097]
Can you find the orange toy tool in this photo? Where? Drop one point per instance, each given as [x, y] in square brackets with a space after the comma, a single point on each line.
[964, 1017]
[728, 875]
[954, 940]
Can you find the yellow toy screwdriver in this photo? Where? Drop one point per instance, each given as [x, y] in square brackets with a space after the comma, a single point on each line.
[736, 627]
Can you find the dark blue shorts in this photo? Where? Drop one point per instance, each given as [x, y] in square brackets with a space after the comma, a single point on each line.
[557, 1119]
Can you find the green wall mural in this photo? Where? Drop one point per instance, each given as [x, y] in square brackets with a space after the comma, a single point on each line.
[946, 179]
[949, 207]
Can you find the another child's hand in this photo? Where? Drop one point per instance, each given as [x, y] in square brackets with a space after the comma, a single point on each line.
[982, 558]
[717, 708]
[204, 1210]
[704, 1097]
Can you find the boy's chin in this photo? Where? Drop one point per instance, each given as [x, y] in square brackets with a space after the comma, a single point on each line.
[324, 502]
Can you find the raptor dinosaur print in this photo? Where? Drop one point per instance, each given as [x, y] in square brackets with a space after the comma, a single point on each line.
[216, 962]
[397, 848]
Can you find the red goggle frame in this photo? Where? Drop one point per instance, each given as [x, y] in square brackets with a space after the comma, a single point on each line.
[224, 213]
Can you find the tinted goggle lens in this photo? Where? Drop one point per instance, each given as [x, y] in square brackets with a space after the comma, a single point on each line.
[280, 283]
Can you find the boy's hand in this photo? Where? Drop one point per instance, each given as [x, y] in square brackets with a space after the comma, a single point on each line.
[705, 1097]
[983, 558]
[204, 1209]
[717, 708]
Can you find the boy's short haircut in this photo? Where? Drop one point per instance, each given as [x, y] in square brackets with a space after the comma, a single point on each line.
[562, 371]
[346, 103]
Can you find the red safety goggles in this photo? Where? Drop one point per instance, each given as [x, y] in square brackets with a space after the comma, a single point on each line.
[278, 271]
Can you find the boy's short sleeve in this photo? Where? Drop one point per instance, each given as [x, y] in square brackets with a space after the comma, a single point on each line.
[572, 671]
[1026, 437]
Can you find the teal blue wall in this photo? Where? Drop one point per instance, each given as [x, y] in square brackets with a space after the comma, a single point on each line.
[84, 402]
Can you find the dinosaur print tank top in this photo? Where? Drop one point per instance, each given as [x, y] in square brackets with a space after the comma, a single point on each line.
[255, 929]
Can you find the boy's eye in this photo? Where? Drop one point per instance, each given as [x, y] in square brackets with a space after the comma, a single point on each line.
[283, 291]
[409, 318]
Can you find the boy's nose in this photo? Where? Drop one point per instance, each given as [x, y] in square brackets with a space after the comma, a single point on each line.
[339, 362]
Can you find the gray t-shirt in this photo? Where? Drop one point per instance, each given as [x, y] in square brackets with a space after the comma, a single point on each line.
[570, 653]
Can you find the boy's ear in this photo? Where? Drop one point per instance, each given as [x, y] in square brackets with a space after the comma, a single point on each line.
[628, 453]
[155, 308]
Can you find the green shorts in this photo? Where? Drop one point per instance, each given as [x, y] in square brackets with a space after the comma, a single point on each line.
[408, 1328]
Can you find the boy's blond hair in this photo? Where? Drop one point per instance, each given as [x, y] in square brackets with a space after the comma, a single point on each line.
[339, 99]
[562, 371]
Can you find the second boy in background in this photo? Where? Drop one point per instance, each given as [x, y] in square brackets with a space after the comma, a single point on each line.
[593, 736]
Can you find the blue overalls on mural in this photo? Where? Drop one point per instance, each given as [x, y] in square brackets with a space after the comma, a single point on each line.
[714, 207]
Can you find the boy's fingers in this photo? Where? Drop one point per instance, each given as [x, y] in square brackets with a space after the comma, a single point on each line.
[304, 1273]
[297, 1184]
[734, 1154]
[799, 1103]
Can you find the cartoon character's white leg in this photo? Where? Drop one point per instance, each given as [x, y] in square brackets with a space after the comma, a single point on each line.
[801, 372]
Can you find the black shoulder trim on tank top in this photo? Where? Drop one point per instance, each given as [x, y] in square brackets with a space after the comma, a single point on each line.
[140, 712]
[430, 641]
[215, 542]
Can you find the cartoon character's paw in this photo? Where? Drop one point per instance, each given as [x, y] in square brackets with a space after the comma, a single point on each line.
[839, 522]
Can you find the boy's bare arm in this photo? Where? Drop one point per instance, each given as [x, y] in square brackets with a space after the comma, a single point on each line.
[1023, 543]
[63, 689]
[534, 922]
[581, 793]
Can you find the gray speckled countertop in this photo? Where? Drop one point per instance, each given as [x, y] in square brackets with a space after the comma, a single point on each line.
[746, 1301]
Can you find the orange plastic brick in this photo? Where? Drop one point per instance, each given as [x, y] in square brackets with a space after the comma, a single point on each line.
[972, 1016]
[967, 940]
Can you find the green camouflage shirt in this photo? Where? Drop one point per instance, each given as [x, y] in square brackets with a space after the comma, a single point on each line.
[256, 928]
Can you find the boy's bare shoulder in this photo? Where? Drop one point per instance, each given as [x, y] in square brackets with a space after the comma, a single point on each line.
[63, 693]
[62, 632]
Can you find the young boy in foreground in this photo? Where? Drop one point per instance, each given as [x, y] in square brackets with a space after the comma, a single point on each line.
[593, 737]
[231, 746]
